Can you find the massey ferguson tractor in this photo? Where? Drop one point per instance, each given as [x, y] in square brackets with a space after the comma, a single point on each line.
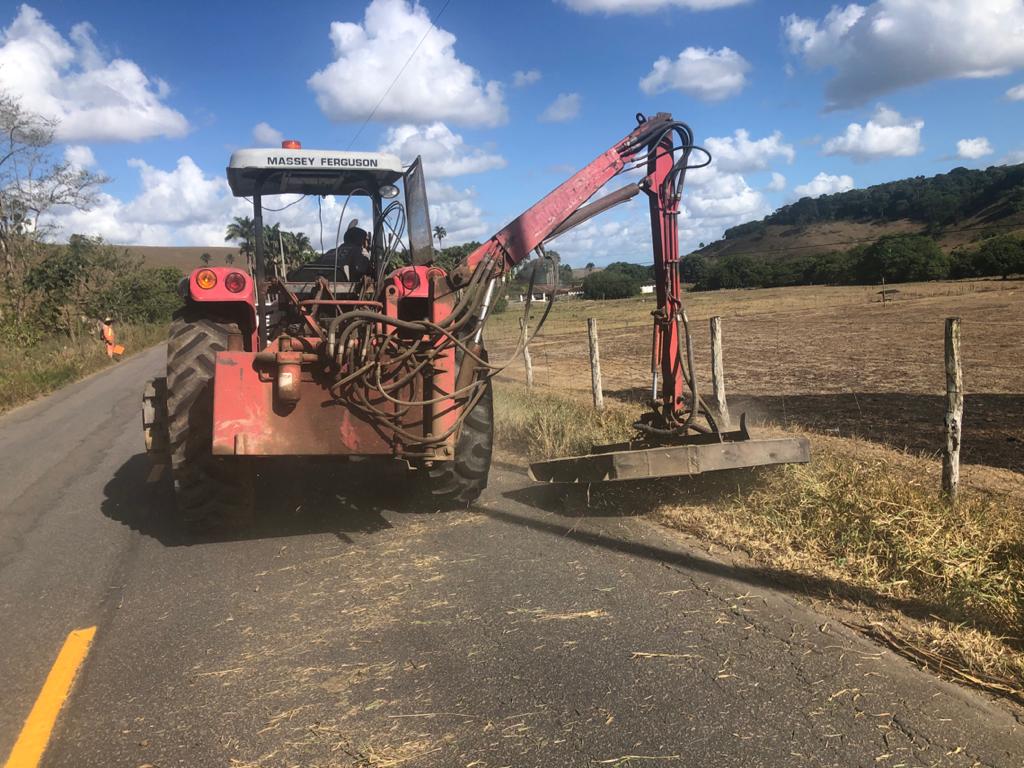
[390, 361]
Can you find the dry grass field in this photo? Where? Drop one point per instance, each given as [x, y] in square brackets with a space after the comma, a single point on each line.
[831, 360]
[864, 522]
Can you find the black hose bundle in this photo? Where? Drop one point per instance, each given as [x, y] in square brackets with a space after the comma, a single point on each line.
[381, 360]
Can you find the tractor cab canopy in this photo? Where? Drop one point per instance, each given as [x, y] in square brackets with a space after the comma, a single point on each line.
[292, 170]
[310, 172]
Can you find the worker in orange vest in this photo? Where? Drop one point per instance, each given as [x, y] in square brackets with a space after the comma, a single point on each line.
[107, 334]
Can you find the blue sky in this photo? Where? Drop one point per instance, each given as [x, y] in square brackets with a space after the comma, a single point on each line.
[157, 95]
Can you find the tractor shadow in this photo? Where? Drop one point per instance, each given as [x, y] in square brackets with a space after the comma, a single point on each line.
[582, 515]
[293, 497]
[993, 431]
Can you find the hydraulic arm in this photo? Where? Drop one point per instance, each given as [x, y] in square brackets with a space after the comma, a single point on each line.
[661, 147]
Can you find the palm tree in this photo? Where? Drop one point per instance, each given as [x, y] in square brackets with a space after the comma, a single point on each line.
[243, 229]
[298, 248]
[440, 233]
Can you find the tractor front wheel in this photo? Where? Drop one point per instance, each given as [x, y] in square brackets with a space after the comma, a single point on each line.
[210, 490]
[459, 482]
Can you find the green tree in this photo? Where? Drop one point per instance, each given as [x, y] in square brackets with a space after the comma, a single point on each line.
[901, 259]
[90, 278]
[693, 268]
[205, 259]
[229, 259]
[637, 272]
[449, 258]
[610, 285]
[1000, 256]
[242, 230]
[440, 233]
[32, 183]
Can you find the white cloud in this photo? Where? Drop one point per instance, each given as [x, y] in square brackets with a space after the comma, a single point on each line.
[444, 152]
[892, 44]
[435, 86]
[1014, 157]
[647, 6]
[623, 234]
[72, 82]
[972, 149]
[739, 153]
[712, 202]
[886, 134]
[824, 184]
[1016, 93]
[186, 206]
[78, 156]
[699, 72]
[521, 79]
[778, 182]
[457, 211]
[265, 135]
[711, 195]
[565, 107]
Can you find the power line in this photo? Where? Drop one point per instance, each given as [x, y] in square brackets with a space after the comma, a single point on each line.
[369, 117]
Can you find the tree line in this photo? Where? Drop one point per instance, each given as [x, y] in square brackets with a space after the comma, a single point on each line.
[937, 201]
[893, 259]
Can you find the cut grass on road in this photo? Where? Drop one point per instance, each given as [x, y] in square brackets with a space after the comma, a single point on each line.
[27, 373]
[861, 522]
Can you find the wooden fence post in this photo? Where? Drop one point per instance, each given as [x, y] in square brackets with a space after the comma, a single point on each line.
[595, 364]
[527, 360]
[954, 410]
[718, 373]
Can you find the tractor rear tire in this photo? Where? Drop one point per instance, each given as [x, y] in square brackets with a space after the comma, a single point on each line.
[210, 490]
[459, 482]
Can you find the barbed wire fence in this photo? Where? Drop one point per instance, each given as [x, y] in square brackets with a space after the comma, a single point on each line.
[863, 370]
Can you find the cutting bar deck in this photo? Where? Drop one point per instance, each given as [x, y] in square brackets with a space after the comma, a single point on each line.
[623, 462]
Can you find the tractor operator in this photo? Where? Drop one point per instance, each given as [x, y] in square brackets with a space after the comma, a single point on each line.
[351, 260]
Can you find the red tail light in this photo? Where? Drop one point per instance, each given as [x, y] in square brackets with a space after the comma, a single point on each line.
[291, 144]
[235, 282]
[410, 280]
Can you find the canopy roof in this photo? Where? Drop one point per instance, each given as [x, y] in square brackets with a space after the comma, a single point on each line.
[310, 171]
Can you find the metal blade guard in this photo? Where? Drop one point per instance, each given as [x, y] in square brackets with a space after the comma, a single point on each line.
[692, 455]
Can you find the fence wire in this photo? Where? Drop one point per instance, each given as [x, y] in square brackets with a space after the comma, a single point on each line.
[844, 368]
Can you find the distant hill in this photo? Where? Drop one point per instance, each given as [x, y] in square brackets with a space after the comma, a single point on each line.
[185, 258]
[955, 209]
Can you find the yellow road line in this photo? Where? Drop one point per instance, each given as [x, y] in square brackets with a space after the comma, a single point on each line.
[35, 734]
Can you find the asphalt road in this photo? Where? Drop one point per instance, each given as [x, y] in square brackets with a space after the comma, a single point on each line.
[344, 627]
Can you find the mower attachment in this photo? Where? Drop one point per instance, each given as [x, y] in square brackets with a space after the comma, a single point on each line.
[693, 455]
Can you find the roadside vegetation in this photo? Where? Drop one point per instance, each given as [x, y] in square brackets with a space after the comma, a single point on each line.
[54, 361]
[53, 296]
[861, 523]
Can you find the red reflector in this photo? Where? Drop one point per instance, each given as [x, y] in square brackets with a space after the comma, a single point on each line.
[235, 282]
[411, 280]
[291, 144]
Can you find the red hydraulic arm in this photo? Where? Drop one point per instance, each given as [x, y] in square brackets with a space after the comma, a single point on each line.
[652, 140]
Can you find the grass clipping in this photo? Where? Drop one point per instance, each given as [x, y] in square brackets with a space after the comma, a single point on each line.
[861, 521]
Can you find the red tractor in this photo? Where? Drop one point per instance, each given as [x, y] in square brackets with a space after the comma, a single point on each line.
[379, 352]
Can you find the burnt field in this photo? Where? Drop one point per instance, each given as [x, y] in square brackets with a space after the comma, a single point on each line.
[831, 360]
